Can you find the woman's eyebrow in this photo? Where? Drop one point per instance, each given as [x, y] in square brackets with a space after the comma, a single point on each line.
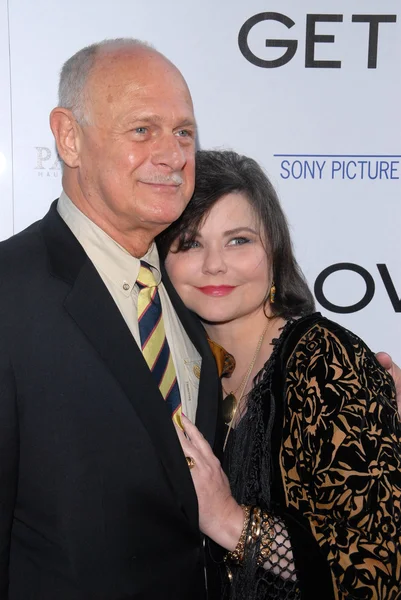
[239, 229]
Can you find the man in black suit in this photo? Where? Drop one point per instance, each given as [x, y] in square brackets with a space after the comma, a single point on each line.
[96, 497]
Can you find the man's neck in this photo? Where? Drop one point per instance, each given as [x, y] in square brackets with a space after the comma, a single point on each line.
[135, 240]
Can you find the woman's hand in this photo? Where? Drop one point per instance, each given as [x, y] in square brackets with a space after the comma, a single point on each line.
[220, 517]
[387, 362]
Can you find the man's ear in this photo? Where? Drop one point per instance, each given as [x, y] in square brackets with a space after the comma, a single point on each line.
[67, 134]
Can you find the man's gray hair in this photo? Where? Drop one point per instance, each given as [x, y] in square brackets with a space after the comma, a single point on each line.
[76, 70]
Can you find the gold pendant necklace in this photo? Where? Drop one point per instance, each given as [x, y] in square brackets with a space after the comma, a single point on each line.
[230, 401]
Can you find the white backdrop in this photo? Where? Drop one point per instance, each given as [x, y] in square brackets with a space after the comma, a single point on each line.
[329, 136]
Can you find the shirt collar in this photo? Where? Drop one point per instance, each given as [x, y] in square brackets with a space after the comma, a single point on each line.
[109, 258]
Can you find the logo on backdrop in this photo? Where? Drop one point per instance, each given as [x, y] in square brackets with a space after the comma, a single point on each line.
[374, 29]
[360, 272]
[350, 167]
[47, 162]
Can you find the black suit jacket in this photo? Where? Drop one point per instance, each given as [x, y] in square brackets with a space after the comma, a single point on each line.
[96, 499]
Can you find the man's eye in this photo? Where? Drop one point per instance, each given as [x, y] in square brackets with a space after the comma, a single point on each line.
[141, 129]
[184, 133]
[239, 241]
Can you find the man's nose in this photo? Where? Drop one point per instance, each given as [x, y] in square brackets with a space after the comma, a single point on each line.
[167, 151]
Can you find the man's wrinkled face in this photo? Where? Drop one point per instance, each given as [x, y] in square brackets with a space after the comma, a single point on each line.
[136, 166]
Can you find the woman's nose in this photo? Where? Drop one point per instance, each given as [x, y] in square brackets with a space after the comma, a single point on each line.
[214, 262]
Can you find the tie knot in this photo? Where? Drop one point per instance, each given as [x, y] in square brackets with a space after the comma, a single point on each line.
[145, 276]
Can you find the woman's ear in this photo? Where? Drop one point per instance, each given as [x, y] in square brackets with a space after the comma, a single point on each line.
[67, 134]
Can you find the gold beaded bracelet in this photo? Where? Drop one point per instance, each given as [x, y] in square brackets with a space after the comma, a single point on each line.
[236, 556]
[257, 526]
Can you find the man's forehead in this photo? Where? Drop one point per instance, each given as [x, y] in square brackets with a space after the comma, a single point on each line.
[140, 90]
[132, 76]
[146, 100]
[133, 67]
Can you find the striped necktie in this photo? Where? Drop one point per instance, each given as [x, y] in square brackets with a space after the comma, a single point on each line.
[155, 348]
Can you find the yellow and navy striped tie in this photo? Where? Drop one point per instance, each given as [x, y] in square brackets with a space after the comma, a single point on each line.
[155, 348]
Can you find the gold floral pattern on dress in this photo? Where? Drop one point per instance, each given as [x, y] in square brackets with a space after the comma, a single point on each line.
[340, 460]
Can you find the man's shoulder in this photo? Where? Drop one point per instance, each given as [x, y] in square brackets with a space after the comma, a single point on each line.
[21, 236]
[31, 236]
[18, 252]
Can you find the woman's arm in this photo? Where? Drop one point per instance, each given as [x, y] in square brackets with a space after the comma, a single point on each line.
[221, 518]
[341, 460]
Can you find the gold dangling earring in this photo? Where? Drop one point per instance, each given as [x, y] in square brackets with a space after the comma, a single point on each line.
[272, 293]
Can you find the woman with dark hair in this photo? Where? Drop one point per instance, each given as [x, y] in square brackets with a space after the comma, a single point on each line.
[311, 507]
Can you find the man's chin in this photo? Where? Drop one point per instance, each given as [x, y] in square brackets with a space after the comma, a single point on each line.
[167, 217]
[157, 226]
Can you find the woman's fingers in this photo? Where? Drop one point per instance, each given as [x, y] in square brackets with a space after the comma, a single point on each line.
[180, 432]
[186, 443]
[195, 436]
[189, 449]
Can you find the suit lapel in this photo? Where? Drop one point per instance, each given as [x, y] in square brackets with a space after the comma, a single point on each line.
[91, 306]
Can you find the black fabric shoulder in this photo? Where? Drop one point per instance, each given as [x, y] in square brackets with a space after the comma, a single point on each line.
[303, 325]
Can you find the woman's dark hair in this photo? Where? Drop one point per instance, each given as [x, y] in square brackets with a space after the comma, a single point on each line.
[224, 172]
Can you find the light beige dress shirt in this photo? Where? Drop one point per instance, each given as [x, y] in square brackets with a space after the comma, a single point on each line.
[119, 270]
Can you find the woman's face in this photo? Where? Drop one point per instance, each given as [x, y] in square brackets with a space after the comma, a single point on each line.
[225, 274]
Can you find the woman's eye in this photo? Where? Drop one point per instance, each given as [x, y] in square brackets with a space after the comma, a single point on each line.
[187, 245]
[239, 241]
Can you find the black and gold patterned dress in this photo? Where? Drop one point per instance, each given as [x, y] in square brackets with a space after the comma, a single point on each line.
[320, 448]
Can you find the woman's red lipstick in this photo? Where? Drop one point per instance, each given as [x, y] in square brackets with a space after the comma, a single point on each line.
[216, 290]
